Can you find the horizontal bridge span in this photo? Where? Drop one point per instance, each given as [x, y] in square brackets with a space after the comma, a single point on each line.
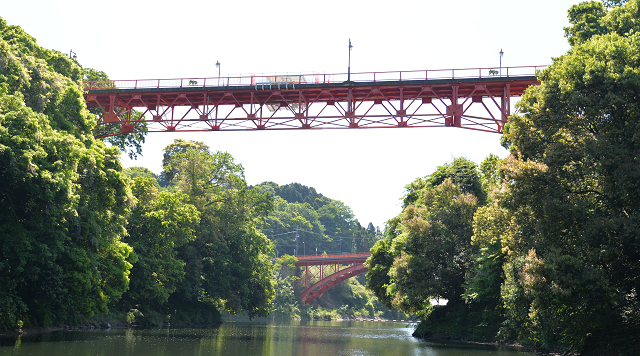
[344, 258]
[479, 102]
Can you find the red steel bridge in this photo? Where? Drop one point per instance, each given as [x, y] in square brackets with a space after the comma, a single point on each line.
[475, 98]
[321, 273]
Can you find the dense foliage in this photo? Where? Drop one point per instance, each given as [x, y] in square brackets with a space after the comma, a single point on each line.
[79, 236]
[321, 224]
[541, 248]
[305, 221]
[427, 251]
[574, 252]
[63, 195]
[230, 258]
[552, 251]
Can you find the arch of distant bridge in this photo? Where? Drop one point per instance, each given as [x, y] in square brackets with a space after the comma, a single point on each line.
[327, 272]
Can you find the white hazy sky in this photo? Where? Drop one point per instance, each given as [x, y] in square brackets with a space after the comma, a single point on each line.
[366, 169]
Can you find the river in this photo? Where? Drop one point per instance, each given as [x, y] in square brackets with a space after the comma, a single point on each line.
[274, 338]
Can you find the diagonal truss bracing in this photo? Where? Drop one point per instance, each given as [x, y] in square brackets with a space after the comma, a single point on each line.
[321, 273]
[479, 103]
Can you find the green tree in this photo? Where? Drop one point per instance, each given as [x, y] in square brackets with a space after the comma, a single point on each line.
[228, 264]
[160, 224]
[573, 272]
[585, 19]
[134, 172]
[63, 195]
[461, 171]
[320, 223]
[484, 280]
[379, 265]
[287, 219]
[179, 146]
[286, 302]
[427, 250]
[433, 252]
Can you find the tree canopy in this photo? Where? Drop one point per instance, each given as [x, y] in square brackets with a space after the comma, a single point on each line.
[63, 194]
[427, 251]
[575, 191]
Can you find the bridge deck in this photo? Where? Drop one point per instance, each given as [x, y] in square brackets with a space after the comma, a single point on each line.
[310, 260]
[470, 98]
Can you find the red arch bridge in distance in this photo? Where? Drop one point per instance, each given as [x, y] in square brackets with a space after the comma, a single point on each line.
[476, 98]
[322, 272]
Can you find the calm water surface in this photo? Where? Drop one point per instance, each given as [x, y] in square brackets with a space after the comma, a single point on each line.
[304, 338]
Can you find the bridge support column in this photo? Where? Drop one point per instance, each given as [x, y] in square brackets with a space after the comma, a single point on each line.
[455, 110]
[506, 104]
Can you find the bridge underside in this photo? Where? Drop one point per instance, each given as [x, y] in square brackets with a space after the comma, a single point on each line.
[329, 282]
[321, 273]
[477, 103]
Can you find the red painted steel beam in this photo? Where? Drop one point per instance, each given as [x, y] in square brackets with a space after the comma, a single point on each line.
[331, 259]
[466, 98]
[329, 282]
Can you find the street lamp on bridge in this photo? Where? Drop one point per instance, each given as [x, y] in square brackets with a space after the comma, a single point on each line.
[218, 66]
[501, 54]
[349, 67]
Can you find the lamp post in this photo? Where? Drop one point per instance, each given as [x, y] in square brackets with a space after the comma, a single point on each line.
[349, 68]
[218, 66]
[74, 56]
[304, 249]
[501, 54]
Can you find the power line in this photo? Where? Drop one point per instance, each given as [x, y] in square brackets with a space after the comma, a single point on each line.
[342, 237]
[284, 233]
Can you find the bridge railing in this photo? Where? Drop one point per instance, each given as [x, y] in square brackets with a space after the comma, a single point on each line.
[344, 255]
[286, 81]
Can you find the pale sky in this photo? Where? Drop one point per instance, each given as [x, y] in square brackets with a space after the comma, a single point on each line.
[366, 169]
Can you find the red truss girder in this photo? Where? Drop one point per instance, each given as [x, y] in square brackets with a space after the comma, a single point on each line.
[473, 103]
[324, 272]
[329, 282]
